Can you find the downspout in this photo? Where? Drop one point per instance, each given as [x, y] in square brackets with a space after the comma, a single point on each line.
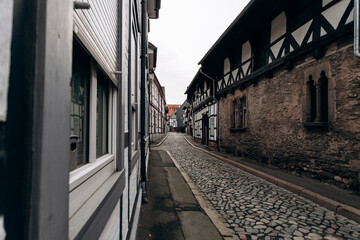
[148, 112]
[143, 96]
[356, 28]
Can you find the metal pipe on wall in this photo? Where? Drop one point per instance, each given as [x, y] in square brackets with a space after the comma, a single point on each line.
[143, 93]
[356, 28]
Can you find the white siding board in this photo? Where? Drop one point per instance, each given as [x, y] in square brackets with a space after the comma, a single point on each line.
[133, 184]
[108, 26]
[107, 51]
[6, 19]
[79, 195]
[99, 29]
[2, 229]
[91, 43]
[125, 216]
[112, 228]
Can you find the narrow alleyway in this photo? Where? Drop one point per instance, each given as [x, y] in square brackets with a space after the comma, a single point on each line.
[252, 207]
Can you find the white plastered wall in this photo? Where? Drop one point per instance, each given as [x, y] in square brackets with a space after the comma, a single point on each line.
[211, 111]
[112, 228]
[278, 28]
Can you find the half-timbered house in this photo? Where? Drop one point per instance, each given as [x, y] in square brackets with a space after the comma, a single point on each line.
[287, 83]
[157, 100]
[204, 107]
[73, 127]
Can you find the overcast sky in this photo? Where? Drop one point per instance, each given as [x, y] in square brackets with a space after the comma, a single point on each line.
[184, 32]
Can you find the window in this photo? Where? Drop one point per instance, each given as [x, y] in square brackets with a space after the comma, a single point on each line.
[93, 97]
[89, 110]
[92, 140]
[317, 99]
[102, 114]
[79, 108]
[238, 117]
[212, 127]
[226, 65]
[134, 82]
[311, 98]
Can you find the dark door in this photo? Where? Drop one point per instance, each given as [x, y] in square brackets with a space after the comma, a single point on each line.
[205, 129]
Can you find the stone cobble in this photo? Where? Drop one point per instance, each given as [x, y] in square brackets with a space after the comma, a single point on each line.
[254, 208]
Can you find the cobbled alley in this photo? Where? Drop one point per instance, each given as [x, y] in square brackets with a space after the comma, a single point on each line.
[253, 208]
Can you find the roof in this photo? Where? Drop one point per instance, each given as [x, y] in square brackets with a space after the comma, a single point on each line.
[192, 82]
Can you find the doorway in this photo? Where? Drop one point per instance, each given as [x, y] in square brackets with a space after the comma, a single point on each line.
[205, 129]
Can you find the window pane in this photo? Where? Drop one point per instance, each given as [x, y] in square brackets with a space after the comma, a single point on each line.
[102, 114]
[79, 108]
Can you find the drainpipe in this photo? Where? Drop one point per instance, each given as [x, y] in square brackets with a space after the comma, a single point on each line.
[356, 28]
[143, 96]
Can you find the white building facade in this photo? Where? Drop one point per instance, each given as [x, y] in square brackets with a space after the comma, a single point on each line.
[157, 99]
[76, 112]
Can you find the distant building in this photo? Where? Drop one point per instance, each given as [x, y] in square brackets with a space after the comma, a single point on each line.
[178, 117]
[187, 119]
[172, 108]
[173, 123]
[204, 109]
[157, 106]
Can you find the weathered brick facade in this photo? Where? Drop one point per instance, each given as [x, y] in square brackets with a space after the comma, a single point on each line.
[275, 133]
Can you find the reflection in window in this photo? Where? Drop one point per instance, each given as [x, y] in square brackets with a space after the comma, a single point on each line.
[238, 118]
[102, 108]
[79, 108]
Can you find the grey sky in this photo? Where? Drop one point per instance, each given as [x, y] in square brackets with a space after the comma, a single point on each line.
[185, 31]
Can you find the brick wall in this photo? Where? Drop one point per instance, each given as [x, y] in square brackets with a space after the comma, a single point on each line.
[275, 133]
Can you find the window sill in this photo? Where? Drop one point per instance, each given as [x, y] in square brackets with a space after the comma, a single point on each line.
[80, 175]
[323, 126]
[238, 129]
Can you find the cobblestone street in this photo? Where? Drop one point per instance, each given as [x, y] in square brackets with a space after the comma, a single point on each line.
[254, 208]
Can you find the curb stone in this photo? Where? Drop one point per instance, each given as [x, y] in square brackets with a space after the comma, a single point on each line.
[223, 230]
[158, 145]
